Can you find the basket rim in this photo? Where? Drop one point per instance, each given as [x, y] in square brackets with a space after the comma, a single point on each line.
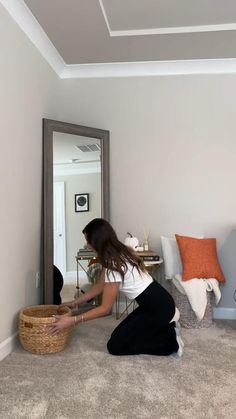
[49, 319]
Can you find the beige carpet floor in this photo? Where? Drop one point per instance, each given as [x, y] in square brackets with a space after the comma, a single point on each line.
[84, 381]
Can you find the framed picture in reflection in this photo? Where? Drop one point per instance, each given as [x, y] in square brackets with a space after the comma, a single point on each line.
[82, 202]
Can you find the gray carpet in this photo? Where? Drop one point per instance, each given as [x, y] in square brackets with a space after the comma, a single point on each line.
[85, 381]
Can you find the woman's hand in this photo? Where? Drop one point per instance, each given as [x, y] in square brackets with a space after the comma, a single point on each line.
[62, 322]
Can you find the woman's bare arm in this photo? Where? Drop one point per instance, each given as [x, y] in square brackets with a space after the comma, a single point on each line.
[95, 290]
[110, 290]
[108, 298]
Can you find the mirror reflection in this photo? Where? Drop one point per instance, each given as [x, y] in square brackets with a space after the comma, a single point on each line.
[76, 190]
[76, 201]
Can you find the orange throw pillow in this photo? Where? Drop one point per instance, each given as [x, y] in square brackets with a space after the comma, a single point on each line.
[199, 258]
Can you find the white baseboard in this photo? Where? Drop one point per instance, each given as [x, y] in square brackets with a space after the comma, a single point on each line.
[224, 313]
[218, 312]
[8, 345]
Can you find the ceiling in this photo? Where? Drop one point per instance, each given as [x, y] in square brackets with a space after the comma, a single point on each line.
[110, 38]
[108, 31]
[70, 147]
[75, 154]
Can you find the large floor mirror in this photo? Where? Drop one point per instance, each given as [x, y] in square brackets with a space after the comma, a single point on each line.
[75, 190]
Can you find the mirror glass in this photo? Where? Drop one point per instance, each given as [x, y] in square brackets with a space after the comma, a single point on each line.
[76, 194]
[76, 190]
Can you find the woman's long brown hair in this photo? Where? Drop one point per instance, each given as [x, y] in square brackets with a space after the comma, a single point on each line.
[112, 253]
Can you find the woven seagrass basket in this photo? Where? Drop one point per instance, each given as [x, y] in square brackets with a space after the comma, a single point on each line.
[33, 332]
[188, 318]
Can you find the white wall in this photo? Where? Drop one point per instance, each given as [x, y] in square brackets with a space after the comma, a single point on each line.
[172, 157]
[28, 93]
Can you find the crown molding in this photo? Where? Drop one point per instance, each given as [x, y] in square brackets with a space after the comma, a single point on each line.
[27, 22]
[105, 16]
[72, 170]
[175, 30]
[150, 68]
[167, 30]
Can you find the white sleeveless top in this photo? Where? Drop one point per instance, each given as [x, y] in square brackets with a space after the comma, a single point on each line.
[134, 282]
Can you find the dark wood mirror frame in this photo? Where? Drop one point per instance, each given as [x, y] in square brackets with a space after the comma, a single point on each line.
[50, 126]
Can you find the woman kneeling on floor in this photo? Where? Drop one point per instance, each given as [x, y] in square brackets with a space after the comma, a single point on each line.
[151, 327]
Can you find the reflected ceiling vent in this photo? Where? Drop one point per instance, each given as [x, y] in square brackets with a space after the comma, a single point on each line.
[75, 160]
[88, 148]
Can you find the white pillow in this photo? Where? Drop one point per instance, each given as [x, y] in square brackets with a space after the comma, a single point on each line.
[171, 256]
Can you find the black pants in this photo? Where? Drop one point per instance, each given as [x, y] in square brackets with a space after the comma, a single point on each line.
[57, 285]
[147, 330]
